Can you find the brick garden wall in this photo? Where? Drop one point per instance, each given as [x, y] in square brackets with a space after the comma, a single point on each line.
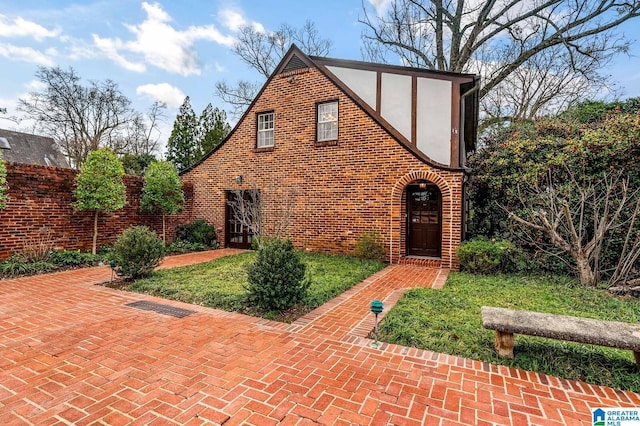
[342, 189]
[40, 198]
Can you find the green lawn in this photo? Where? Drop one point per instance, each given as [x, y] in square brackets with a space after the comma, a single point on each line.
[449, 321]
[220, 283]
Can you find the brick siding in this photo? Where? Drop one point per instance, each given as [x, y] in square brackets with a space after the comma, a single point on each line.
[41, 196]
[342, 190]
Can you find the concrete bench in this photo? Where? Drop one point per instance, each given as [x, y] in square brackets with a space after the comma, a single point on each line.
[507, 322]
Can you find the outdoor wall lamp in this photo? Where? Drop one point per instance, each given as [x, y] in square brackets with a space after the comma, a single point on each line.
[239, 179]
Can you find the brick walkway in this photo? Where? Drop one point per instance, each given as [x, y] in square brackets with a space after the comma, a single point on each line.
[73, 353]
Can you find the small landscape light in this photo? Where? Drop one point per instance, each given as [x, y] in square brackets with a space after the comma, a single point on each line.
[112, 265]
[376, 307]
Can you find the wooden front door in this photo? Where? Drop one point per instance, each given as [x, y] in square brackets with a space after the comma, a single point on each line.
[424, 220]
[236, 235]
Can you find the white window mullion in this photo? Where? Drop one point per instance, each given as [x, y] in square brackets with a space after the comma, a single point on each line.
[266, 126]
[327, 126]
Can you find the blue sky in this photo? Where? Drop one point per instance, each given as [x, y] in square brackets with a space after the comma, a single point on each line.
[169, 49]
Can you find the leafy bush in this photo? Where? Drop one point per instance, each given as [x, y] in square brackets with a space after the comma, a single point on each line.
[137, 252]
[73, 258]
[519, 168]
[179, 247]
[26, 263]
[18, 265]
[198, 231]
[369, 246]
[38, 246]
[106, 252]
[276, 278]
[483, 256]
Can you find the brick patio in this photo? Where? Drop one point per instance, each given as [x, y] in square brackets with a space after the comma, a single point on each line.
[71, 352]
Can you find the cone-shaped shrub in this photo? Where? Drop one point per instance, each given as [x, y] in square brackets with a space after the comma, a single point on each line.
[276, 278]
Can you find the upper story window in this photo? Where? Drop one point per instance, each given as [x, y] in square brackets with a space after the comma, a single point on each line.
[327, 128]
[266, 122]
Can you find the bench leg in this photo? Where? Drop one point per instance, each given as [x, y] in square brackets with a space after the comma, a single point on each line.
[504, 344]
[636, 355]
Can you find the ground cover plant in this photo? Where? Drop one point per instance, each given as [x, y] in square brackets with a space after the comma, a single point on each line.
[18, 265]
[449, 321]
[221, 283]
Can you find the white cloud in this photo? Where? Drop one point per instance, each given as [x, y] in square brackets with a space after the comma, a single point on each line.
[380, 5]
[109, 47]
[23, 28]
[234, 20]
[25, 54]
[35, 85]
[160, 44]
[163, 92]
[218, 67]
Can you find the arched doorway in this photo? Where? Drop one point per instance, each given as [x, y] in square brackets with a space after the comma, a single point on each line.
[424, 220]
[449, 187]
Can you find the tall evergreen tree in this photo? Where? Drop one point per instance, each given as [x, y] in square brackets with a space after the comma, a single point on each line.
[162, 191]
[183, 148]
[212, 128]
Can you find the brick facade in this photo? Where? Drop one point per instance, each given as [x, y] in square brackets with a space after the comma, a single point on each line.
[341, 189]
[41, 196]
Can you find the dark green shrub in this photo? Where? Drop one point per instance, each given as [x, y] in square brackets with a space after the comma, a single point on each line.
[369, 246]
[198, 231]
[483, 256]
[18, 265]
[137, 252]
[180, 246]
[276, 278]
[73, 258]
[258, 241]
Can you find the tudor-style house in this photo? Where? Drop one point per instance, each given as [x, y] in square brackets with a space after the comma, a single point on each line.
[336, 148]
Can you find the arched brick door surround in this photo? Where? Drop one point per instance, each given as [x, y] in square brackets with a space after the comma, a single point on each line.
[398, 220]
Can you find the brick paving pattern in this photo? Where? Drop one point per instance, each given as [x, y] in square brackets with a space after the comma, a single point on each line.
[71, 352]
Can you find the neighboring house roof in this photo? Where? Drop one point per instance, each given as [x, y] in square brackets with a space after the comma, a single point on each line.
[349, 75]
[32, 149]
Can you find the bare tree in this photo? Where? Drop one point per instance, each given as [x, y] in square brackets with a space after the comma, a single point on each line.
[3, 111]
[80, 118]
[575, 217]
[498, 38]
[262, 51]
[141, 134]
[246, 207]
[238, 97]
[280, 206]
[266, 213]
[544, 85]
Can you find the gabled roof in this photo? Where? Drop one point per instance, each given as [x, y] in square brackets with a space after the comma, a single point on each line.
[295, 61]
[32, 149]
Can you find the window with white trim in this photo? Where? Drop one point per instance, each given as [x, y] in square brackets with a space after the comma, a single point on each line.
[327, 127]
[266, 122]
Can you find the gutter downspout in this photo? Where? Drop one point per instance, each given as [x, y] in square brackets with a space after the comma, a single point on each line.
[463, 98]
[463, 156]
